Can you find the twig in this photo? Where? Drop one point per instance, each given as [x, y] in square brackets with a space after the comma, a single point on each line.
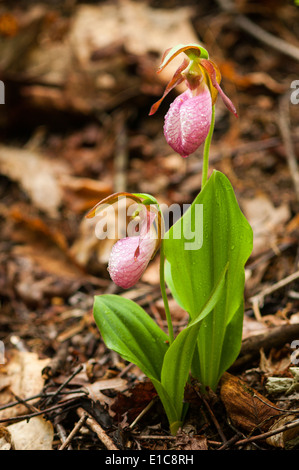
[36, 413]
[269, 39]
[65, 383]
[126, 369]
[25, 403]
[57, 362]
[285, 125]
[230, 442]
[143, 412]
[61, 433]
[14, 403]
[259, 33]
[94, 425]
[74, 431]
[153, 436]
[282, 410]
[42, 395]
[274, 338]
[267, 434]
[220, 432]
[259, 298]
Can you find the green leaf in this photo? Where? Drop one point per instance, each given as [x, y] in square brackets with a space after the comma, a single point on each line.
[192, 274]
[178, 358]
[127, 329]
[173, 414]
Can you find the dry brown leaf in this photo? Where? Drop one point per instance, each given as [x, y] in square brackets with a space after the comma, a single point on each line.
[34, 173]
[39, 271]
[245, 407]
[134, 400]
[21, 214]
[81, 194]
[140, 28]
[266, 220]
[5, 439]
[254, 78]
[252, 327]
[186, 442]
[287, 439]
[35, 434]
[95, 389]
[21, 376]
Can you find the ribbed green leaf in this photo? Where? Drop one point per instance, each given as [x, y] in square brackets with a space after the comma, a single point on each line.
[193, 274]
[178, 358]
[127, 329]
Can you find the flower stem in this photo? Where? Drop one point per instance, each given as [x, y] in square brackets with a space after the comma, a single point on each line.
[206, 151]
[164, 295]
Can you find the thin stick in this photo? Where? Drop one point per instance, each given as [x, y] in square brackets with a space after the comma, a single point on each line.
[74, 431]
[265, 435]
[220, 432]
[153, 436]
[272, 41]
[143, 412]
[259, 298]
[94, 425]
[259, 33]
[37, 413]
[26, 404]
[42, 395]
[65, 383]
[62, 433]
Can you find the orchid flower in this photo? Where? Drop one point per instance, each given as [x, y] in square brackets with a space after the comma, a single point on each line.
[188, 121]
[131, 255]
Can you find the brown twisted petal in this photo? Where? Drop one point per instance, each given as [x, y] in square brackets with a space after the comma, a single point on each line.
[214, 74]
[112, 199]
[176, 80]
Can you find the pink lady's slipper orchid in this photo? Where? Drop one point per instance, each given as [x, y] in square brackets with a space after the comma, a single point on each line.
[188, 121]
[130, 255]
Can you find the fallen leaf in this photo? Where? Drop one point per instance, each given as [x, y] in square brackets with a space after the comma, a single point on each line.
[22, 377]
[186, 442]
[140, 28]
[35, 434]
[5, 439]
[34, 173]
[41, 271]
[245, 407]
[287, 439]
[254, 78]
[266, 220]
[134, 400]
[80, 194]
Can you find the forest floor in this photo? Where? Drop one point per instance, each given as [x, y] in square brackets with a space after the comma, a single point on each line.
[80, 79]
